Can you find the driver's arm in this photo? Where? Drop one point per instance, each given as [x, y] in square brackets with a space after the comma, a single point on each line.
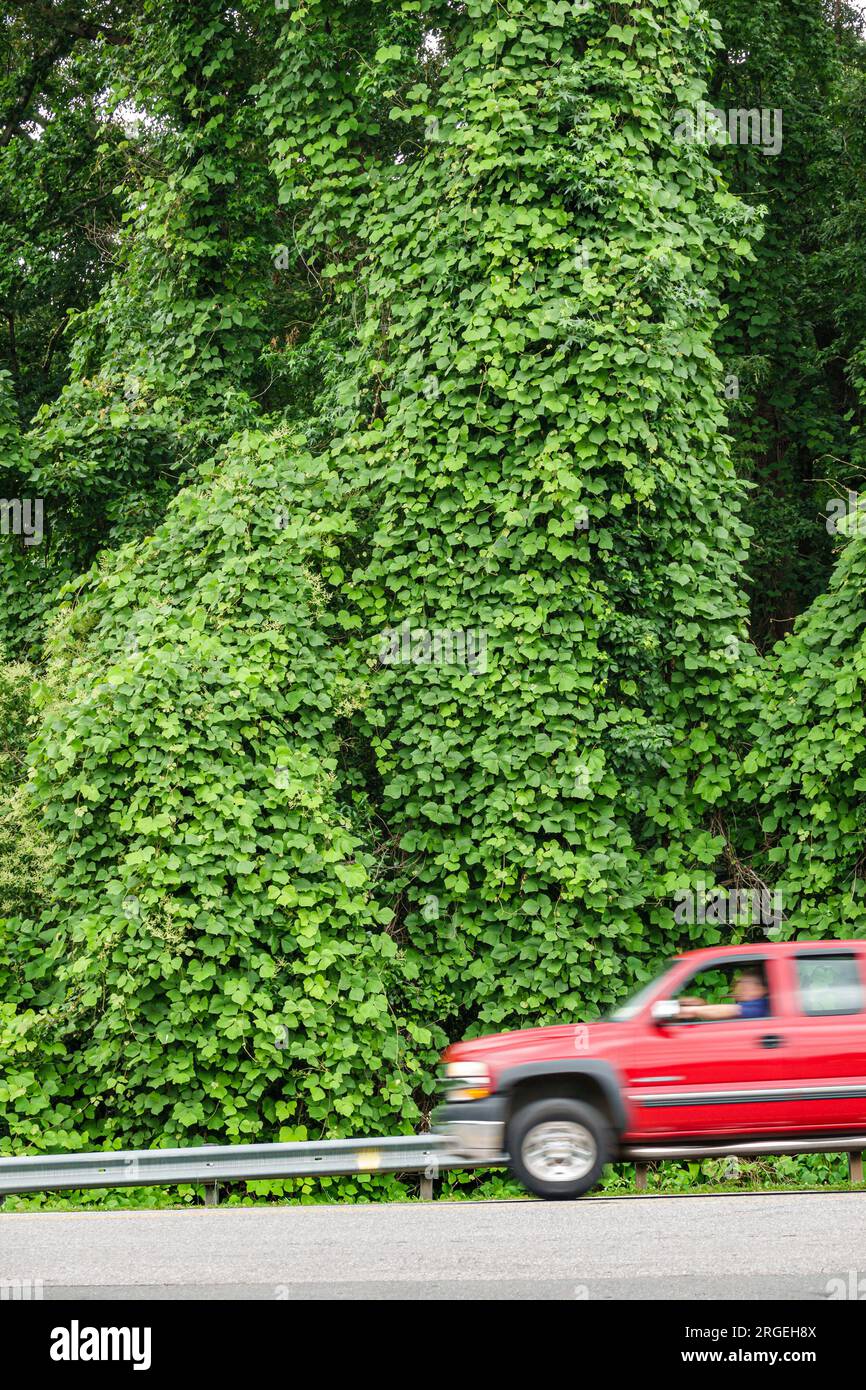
[708, 1012]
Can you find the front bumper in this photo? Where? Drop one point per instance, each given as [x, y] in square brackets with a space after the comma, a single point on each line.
[474, 1129]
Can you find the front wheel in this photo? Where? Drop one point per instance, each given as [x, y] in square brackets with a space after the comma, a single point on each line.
[558, 1148]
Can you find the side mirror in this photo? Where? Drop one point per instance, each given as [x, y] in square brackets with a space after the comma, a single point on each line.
[665, 1011]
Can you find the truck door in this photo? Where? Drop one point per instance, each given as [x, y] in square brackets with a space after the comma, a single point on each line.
[825, 1042]
[729, 1077]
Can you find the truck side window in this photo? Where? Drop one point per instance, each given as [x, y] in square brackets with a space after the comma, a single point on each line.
[723, 982]
[829, 984]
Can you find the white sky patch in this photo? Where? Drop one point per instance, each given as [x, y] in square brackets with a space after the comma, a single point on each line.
[133, 119]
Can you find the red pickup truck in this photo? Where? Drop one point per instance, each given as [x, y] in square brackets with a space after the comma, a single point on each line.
[681, 1070]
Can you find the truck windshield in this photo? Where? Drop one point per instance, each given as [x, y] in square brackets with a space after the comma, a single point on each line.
[635, 1003]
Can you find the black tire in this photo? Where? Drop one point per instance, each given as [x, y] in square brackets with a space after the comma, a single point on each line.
[528, 1167]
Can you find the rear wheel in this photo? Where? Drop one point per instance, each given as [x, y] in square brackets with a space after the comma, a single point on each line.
[558, 1148]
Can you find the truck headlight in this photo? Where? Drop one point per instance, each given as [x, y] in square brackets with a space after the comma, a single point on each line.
[467, 1081]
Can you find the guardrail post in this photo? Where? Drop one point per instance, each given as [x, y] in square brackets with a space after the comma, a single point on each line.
[855, 1167]
[428, 1175]
[640, 1172]
[211, 1194]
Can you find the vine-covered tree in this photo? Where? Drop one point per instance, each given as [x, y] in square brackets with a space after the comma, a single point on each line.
[387, 667]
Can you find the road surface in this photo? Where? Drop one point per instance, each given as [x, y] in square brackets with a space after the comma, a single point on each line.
[744, 1247]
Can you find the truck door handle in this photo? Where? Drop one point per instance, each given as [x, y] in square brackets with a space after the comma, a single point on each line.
[772, 1040]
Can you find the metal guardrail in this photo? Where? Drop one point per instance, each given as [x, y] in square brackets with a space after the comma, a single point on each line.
[215, 1165]
[428, 1154]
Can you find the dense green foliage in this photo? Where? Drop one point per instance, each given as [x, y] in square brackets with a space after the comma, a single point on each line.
[796, 318]
[387, 665]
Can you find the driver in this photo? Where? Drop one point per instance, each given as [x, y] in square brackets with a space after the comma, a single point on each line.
[750, 1000]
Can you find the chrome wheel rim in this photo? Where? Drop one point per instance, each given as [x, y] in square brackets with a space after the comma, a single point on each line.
[559, 1151]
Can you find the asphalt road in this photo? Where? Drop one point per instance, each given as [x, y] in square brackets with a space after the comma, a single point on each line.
[744, 1247]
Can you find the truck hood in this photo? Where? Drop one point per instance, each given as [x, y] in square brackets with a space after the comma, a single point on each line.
[564, 1040]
